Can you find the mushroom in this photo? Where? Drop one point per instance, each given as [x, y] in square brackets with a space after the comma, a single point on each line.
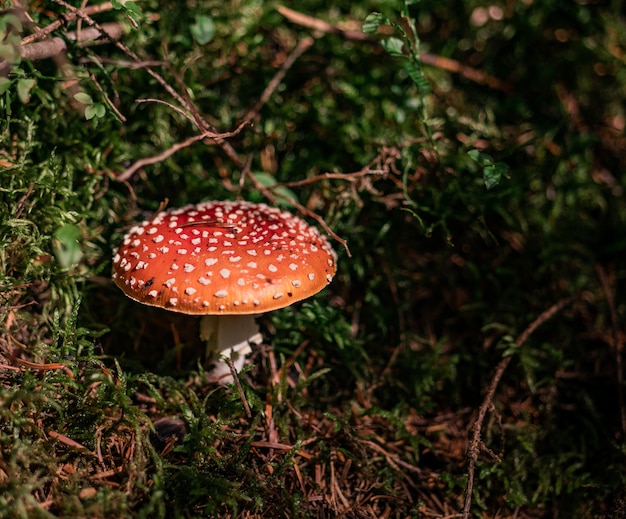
[228, 261]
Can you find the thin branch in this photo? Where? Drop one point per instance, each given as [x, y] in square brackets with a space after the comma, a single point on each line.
[43, 33]
[476, 444]
[54, 46]
[429, 59]
[300, 49]
[107, 99]
[617, 343]
[176, 147]
[271, 196]
[169, 105]
[349, 177]
[242, 395]
[316, 24]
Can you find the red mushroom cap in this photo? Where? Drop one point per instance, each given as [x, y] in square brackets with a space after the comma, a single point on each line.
[223, 258]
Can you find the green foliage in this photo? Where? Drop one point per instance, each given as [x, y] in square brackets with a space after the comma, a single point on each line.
[477, 178]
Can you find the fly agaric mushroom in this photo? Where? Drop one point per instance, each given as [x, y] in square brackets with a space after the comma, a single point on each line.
[226, 261]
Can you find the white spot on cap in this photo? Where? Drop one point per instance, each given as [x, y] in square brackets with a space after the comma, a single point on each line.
[174, 266]
[188, 267]
[204, 281]
[272, 268]
[252, 264]
[173, 301]
[153, 293]
[221, 293]
[278, 295]
[225, 273]
[234, 259]
[293, 266]
[311, 276]
[158, 239]
[296, 283]
[152, 230]
[182, 251]
[170, 282]
[209, 262]
[241, 282]
[252, 252]
[190, 291]
[164, 249]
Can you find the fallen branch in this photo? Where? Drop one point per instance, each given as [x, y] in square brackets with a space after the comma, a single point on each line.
[43, 33]
[87, 37]
[429, 59]
[125, 175]
[300, 49]
[476, 445]
[617, 343]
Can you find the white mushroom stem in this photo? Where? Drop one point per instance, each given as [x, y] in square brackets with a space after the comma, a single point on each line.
[228, 336]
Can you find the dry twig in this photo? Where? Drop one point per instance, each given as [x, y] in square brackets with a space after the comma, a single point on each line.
[617, 344]
[125, 175]
[242, 395]
[429, 59]
[476, 445]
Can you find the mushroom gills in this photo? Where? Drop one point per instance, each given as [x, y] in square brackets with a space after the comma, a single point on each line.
[228, 336]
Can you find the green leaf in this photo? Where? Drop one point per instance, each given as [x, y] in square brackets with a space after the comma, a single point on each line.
[394, 46]
[373, 21]
[5, 84]
[492, 171]
[95, 110]
[284, 193]
[477, 156]
[417, 76]
[66, 245]
[131, 8]
[203, 30]
[83, 98]
[9, 50]
[491, 176]
[24, 86]
[12, 20]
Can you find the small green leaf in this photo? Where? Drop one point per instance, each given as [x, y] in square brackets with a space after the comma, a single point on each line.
[481, 158]
[394, 46]
[5, 84]
[417, 76]
[24, 86]
[492, 171]
[203, 30]
[95, 110]
[12, 20]
[491, 176]
[66, 245]
[131, 8]
[373, 21]
[9, 50]
[83, 98]
[283, 193]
